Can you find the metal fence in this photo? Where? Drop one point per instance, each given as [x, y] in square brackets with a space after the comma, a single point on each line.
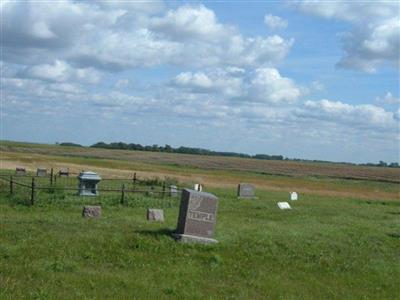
[120, 187]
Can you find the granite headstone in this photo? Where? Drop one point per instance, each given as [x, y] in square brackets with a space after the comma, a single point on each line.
[197, 217]
[63, 173]
[173, 191]
[20, 171]
[246, 190]
[41, 172]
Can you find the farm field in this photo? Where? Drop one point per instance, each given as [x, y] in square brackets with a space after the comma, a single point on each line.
[341, 240]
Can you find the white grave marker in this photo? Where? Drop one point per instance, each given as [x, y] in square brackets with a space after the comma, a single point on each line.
[293, 196]
[198, 187]
[284, 205]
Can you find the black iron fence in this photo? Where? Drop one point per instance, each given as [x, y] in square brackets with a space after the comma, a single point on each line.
[123, 187]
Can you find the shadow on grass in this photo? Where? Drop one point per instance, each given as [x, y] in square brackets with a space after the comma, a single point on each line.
[157, 233]
[394, 235]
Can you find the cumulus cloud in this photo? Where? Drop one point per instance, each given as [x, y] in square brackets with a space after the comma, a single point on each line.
[364, 116]
[228, 81]
[61, 71]
[267, 85]
[188, 35]
[260, 85]
[375, 38]
[388, 99]
[275, 22]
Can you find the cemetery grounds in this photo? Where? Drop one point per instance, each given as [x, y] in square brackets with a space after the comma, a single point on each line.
[340, 240]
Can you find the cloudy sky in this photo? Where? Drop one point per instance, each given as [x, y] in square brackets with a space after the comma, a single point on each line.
[304, 79]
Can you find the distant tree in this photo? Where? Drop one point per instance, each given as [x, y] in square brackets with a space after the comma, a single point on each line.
[69, 144]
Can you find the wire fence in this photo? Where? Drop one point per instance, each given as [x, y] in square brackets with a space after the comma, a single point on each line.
[126, 191]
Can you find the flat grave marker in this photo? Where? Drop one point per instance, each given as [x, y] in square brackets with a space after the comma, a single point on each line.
[155, 215]
[90, 211]
[284, 205]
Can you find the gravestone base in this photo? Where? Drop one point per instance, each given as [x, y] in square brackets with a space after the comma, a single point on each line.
[186, 238]
[247, 197]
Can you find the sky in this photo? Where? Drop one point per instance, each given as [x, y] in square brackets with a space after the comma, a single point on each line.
[303, 79]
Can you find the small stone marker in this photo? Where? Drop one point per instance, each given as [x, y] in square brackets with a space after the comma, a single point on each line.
[197, 217]
[91, 211]
[173, 191]
[155, 215]
[63, 173]
[41, 172]
[198, 187]
[284, 205]
[246, 190]
[20, 171]
[293, 196]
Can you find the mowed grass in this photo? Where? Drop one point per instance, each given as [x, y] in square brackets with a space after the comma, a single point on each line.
[324, 248]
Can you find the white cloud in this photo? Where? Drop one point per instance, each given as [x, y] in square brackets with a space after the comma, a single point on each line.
[61, 71]
[388, 99]
[187, 35]
[261, 85]
[275, 22]
[191, 22]
[267, 85]
[228, 82]
[364, 116]
[375, 38]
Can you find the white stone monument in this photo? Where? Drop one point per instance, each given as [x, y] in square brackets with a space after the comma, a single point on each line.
[293, 196]
[198, 187]
[284, 205]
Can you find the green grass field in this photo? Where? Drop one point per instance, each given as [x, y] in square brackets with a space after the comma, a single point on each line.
[329, 246]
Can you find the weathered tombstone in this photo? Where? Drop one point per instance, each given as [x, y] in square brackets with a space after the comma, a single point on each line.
[173, 191]
[246, 190]
[198, 187]
[197, 217]
[284, 205]
[63, 173]
[293, 196]
[88, 183]
[91, 211]
[155, 215]
[41, 172]
[20, 171]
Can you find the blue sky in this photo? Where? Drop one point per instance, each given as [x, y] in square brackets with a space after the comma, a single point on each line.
[304, 79]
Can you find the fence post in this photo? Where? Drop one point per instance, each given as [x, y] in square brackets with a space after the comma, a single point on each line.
[163, 189]
[134, 178]
[11, 185]
[51, 177]
[55, 178]
[123, 194]
[33, 191]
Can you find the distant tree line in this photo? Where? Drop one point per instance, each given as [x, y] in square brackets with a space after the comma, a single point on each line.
[201, 151]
